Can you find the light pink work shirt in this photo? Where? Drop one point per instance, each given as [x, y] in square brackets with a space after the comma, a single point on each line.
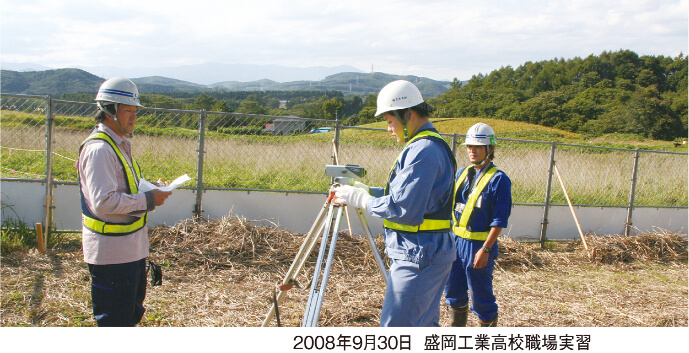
[104, 188]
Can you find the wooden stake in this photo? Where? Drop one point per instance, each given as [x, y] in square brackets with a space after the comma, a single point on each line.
[39, 238]
[571, 208]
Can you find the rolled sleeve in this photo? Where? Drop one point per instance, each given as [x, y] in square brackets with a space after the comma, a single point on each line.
[150, 201]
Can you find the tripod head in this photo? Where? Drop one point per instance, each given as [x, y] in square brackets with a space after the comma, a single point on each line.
[345, 174]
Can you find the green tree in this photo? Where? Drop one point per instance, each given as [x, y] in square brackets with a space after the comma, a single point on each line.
[160, 101]
[544, 109]
[649, 115]
[204, 101]
[371, 100]
[251, 107]
[352, 106]
[645, 114]
[75, 97]
[367, 115]
[331, 107]
[310, 110]
[220, 106]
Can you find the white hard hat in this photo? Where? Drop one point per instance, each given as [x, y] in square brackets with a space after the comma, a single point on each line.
[480, 135]
[118, 90]
[398, 94]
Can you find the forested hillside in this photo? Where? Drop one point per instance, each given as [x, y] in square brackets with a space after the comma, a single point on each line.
[50, 82]
[616, 92]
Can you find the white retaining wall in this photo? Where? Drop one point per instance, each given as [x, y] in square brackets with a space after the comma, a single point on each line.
[297, 212]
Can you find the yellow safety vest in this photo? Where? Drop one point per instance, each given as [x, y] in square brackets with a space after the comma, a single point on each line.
[460, 228]
[133, 177]
[429, 224]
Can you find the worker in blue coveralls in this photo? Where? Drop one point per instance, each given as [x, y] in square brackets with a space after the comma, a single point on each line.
[482, 206]
[416, 206]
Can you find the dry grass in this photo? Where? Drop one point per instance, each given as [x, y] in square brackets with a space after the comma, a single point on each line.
[592, 176]
[620, 281]
[223, 273]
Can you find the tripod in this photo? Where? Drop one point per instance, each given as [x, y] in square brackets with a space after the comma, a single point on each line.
[327, 224]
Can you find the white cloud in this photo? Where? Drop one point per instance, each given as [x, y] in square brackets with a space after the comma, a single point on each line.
[438, 39]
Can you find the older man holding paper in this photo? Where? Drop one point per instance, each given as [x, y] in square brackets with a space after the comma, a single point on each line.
[114, 212]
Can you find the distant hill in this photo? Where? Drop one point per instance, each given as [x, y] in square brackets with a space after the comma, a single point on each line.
[206, 73]
[50, 82]
[210, 73]
[347, 82]
[24, 67]
[61, 81]
[158, 84]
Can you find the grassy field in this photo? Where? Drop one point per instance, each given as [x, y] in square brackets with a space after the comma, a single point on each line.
[592, 176]
[223, 273]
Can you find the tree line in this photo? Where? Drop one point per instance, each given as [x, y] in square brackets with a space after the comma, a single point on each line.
[615, 92]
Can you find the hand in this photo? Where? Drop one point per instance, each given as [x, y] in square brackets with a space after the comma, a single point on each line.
[160, 196]
[481, 259]
[350, 195]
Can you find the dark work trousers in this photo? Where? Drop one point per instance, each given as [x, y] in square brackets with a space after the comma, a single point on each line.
[466, 280]
[118, 293]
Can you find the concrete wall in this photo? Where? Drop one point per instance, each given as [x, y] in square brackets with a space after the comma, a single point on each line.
[297, 212]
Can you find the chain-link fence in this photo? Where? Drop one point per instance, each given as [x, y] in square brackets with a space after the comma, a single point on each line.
[40, 138]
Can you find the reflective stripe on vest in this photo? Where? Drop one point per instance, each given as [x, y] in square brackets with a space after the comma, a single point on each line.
[133, 177]
[460, 228]
[428, 225]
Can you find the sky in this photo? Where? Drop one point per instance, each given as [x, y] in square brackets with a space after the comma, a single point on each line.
[438, 39]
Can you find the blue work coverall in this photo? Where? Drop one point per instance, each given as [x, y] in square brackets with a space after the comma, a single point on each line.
[492, 209]
[420, 183]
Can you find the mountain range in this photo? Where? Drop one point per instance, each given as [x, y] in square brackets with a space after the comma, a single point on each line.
[205, 74]
[35, 79]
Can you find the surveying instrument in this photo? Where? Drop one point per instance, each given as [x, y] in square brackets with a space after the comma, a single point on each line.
[327, 224]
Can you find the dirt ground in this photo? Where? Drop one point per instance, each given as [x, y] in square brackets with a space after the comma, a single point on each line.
[224, 272]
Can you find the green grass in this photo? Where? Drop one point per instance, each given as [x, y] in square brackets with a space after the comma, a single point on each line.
[296, 162]
[507, 129]
[16, 236]
[15, 233]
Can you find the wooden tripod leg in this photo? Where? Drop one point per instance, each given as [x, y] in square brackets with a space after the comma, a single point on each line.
[300, 259]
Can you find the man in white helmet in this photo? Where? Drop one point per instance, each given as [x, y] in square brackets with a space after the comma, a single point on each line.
[416, 207]
[114, 214]
[482, 205]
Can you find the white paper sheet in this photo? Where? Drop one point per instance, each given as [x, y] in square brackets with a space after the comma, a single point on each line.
[145, 185]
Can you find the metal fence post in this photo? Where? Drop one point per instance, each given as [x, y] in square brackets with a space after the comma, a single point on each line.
[336, 141]
[544, 224]
[48, 220]
[630, 209]
[199, 169]
[454, 144]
